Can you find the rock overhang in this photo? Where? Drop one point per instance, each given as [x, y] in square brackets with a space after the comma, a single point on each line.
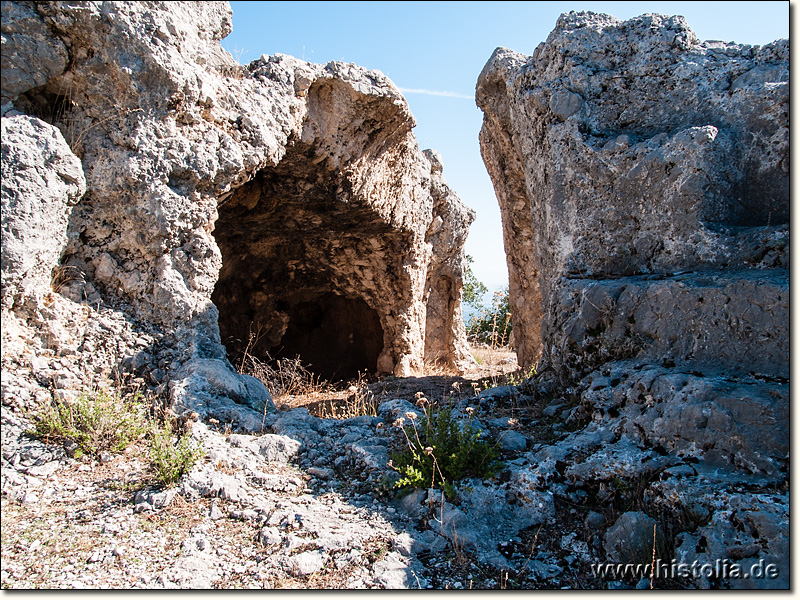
[173, 135]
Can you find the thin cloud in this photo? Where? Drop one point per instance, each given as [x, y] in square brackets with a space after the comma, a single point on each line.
[435, 93]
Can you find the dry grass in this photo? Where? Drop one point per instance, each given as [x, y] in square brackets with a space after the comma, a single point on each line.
[64, 275]
[284, 377]
[292, 384]
[494, 361]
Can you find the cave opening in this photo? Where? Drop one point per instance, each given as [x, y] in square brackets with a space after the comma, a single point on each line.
[337, 337]
[299, 262]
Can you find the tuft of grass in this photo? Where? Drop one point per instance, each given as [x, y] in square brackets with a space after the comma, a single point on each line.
[359, 401]
[440, 449]
[100, 422]
[63, 275]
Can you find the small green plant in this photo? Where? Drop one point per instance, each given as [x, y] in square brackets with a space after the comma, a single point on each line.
[171, 455]
[102, 421]
[520, 377]
[440, 449]
[109, 421]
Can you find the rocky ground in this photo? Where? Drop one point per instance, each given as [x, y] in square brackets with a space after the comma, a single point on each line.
[310, 504]
[307, 509]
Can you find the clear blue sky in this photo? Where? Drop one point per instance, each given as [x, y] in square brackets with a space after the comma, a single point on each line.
[434, 52]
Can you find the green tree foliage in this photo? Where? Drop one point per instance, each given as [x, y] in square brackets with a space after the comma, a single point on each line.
[474, 290]
[492, 325]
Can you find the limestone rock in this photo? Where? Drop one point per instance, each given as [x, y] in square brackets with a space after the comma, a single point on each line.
[630, 149]
[631, 539]
[42, 180]
[277, 448]
[284, 200]
[729, 422]
[24, 34]
[511, 441]
[643, 180]
[750, 531]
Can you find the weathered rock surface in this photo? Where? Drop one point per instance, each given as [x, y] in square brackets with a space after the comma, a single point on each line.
[647, 175]
[643, 181]
[42, 180]
[631, 538]
[191, 196]
[311, 504]
[630, 149]
[643, 262]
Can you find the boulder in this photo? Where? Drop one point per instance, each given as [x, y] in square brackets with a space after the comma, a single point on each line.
[643, 180]
[631, 539]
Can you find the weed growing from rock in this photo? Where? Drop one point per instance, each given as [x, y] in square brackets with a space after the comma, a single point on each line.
[108, 422]
[171, 455]
[91, 424]
[440, 449]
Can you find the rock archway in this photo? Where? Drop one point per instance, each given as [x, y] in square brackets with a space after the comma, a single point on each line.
[283, 198]
[327, 255]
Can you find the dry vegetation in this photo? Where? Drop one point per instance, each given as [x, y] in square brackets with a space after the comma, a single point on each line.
[293, 385]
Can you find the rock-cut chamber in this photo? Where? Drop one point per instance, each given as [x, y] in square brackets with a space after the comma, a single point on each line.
[299, 261]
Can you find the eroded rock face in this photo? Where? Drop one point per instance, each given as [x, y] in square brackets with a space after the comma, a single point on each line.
[630, 149]
[643, 181]
[285, 199]
[42, 180]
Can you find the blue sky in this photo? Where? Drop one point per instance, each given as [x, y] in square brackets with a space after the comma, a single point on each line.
[434, 52]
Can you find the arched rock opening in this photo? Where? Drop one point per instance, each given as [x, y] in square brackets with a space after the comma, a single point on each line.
[300, 263]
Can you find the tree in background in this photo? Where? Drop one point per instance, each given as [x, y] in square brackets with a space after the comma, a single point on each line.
[489, 324]
[474, 290]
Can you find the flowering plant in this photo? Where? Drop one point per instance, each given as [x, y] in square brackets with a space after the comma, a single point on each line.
[440, 448]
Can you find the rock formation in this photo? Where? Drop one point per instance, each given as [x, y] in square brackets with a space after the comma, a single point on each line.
[281, 208]
[643, 180]
[644, 184]
[164, 209]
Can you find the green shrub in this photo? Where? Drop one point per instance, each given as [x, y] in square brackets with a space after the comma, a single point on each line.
[473, 290]
[105, 421]
[441, 449]
[102, 421]
[171, 455]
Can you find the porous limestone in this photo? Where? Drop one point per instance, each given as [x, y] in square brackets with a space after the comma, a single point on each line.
[643, 182]
[206, 202]
[632, 150]
[644, 185]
